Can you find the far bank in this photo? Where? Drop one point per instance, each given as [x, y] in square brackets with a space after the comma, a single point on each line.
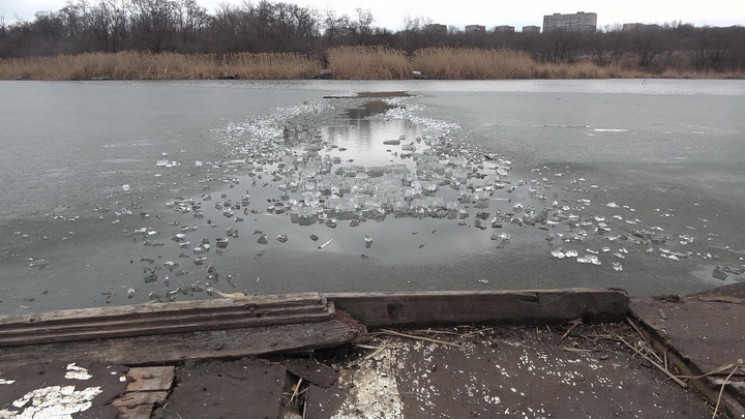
[342, 63]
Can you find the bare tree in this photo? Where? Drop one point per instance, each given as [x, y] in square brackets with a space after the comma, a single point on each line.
[153, 23]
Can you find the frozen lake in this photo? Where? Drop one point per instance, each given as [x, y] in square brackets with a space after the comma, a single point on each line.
[121, 192]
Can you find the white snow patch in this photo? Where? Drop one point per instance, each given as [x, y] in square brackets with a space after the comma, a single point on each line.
[75, 372]
[55, 402]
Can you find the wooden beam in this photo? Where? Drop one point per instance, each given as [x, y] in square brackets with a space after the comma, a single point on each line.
[493, 307]
[180, 308]
[152, 319]
[729, 398]
[177, 347]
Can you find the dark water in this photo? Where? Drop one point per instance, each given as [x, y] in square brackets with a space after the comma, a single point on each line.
[96, 179]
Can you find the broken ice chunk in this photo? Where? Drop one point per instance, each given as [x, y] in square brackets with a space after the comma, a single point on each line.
[558, 254]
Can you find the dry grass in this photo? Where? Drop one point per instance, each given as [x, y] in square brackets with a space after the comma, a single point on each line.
[350, 63]
[129, 65]
[584, 70]
[368, 63]
[473, 64]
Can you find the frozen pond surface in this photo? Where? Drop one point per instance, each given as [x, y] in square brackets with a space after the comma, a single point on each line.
[126, 192]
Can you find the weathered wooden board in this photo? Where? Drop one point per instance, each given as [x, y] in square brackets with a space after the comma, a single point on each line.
[497, 307]
[179, 308]
[693, 327]
[150, 378]
[162, 349]
[151, 319]
[139, 398]
[239, 389]
[731, 400]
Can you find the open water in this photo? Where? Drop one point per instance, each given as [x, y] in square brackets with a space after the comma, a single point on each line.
[122, 192]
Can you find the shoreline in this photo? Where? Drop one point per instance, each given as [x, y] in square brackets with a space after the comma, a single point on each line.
[332, 354]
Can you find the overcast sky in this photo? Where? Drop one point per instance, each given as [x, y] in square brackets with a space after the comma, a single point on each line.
[391, 13]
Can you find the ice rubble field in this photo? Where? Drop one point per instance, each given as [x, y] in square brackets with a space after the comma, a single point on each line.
[285, 165]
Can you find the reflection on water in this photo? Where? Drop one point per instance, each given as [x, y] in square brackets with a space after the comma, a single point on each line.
[361, 140]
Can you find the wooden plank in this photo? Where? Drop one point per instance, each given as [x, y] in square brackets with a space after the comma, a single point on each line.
[238, 389]
[312, 371]
[158, 350]
[32, 335]
[496, 307]
[729, 398]
[154, 318]
[132, 400]
[158, 309]
[137, 412]
[151, 378]
[693, 327]
[68, 325]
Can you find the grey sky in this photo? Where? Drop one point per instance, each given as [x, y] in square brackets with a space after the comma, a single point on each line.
[391, 13]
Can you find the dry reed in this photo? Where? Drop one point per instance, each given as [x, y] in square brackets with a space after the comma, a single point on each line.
[366, 63]
[130, 65]
[351, 63]
[474, 64]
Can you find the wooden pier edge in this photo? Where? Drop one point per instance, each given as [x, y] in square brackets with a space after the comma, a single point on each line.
[312, 321]
[530, 307]
[701, 380]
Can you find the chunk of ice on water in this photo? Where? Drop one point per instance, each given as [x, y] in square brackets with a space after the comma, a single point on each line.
[504, 240]
[589, 259]
[558, 254]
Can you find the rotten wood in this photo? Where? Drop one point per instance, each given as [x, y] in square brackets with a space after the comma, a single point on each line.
[132, 400]
[151, 378]
[158, 309]
[494, 307]
[721, 299]
[243, 388]
[693, 327]
[731, 399]
[152, 319]
[314, 372]
[162, 349]
[137, 412]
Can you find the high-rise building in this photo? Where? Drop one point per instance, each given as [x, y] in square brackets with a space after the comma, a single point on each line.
[573, 22]
[504, 28]
[475, 29]
[436, 29]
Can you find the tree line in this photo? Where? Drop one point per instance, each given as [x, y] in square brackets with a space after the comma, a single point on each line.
[183, 26]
